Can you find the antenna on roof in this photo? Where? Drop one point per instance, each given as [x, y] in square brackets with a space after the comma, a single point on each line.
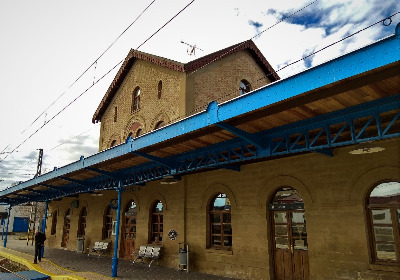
[192, 49]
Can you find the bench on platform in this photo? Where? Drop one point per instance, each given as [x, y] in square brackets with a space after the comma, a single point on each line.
[151, 252]
[99, 247]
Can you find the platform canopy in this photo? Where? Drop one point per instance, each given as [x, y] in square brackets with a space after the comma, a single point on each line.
[352, 99]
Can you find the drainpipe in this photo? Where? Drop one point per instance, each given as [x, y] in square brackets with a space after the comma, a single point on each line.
[8, 221]
[115, 258]
[44, 223]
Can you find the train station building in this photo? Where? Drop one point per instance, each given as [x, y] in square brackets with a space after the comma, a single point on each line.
[262, 177]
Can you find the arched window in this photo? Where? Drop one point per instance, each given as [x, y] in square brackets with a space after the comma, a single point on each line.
[220, 222]
[139, 132]
[384, 222]
[82, 222]
[244, 87]
[54, 223]
[156, 230]
[135, 99]
[159, 124]
[159, 89]
[108, 220]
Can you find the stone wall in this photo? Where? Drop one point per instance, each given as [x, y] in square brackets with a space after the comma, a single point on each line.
[333, 189]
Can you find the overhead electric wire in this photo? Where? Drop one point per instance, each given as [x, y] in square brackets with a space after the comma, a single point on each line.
[48, 150]
[87, 69]
[69, 104]
[62, 110]
[297, 61]
[334, 43]
[255, 36]
[315, 52]
[166, 23]
[283, 19]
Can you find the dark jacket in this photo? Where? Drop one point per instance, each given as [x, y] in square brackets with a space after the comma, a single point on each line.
[40, 238]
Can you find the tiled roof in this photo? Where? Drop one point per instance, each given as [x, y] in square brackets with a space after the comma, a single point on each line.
[180, 67]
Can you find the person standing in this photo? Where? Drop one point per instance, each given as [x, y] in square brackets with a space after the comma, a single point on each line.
[40, 237]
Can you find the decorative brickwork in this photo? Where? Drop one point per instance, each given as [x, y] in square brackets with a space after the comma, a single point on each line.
[185, 89]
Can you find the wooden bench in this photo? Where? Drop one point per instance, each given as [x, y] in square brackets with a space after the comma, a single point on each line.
[151, 252]
[100, 247]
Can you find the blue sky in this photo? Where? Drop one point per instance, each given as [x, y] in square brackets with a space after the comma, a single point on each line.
[46, 45]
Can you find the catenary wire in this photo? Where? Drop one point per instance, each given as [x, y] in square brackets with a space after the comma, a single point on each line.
[87, 69]
[195, 110]
[255, 36]
[330, 45]
[69, 104]
[51, 149]
[166, 24]
[297, 61]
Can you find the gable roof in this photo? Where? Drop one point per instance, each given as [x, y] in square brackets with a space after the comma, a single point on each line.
[180, 67]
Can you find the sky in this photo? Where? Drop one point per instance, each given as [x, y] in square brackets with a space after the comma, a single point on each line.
[53, 60]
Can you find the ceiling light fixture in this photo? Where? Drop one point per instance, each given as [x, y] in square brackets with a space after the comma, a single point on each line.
[169, 180]
[96, 194]
[366, 148]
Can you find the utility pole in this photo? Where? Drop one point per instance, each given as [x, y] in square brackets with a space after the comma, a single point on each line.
[32, 220]
[39, 163]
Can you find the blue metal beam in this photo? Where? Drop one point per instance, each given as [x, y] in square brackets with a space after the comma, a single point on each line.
[317, 134]
[280, 141]
[114, 175]
[167, 163]
[78, 182]
[251, 138]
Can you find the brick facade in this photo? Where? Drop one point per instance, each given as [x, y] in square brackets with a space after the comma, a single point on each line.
[183, 93]
[146, 76]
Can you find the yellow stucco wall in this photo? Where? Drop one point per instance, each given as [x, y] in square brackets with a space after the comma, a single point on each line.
[333, 190]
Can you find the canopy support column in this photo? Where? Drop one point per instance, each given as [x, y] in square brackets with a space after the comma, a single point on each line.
[44, 223]
[2, 225]
[115, 258]
[8, 221]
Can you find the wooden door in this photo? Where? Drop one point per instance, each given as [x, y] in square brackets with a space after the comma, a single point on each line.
[290, 245]
[129, 236]
[66, 228]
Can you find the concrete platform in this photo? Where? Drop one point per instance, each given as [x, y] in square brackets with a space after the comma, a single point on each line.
[63, 264]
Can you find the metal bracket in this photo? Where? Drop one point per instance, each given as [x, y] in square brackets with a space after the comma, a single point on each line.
[166, 162]
[251, 138]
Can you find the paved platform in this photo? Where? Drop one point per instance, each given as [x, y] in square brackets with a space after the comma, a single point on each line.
[66, 264]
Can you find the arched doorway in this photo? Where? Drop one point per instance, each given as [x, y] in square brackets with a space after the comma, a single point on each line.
[289, 235]
[66, 228]
[82, 223]
[129, 231]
